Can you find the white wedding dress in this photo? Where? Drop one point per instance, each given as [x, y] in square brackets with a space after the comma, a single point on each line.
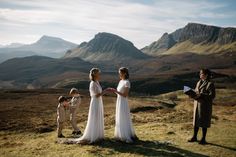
[94, 130]
[124, 130]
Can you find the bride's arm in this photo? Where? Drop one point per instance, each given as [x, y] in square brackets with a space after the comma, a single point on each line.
[94, 90]
[125, 93]
[101, 94]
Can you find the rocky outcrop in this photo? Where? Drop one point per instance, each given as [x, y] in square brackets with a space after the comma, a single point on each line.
[196, 34]
[163, 44]
[199, 33]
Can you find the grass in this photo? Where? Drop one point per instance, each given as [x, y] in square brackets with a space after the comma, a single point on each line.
[188, 46]
[162, 131]
[156, 139]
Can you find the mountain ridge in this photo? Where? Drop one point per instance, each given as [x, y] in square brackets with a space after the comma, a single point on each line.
[45, 46]
[197, 34]
[178, 55]
[106, 46]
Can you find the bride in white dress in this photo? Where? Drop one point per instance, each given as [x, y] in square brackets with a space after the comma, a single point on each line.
[124, 130]
[94, 130]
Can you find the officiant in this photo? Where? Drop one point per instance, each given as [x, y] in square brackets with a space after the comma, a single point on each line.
[203, 100]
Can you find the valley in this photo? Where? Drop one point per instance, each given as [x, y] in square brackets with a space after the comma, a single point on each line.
[170, 63]
[154, 52]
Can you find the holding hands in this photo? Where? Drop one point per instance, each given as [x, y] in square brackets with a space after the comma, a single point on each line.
[113, 90]
[66, 104]
[110, 90]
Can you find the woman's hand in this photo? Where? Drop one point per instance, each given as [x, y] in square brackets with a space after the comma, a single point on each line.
[124, 94]
[111, 90]
[105, 91]
[196, 97]
[66, 104]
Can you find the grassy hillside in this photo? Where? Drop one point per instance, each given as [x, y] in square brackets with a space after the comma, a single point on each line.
[201, 48]
[153, 85]
[163, 123]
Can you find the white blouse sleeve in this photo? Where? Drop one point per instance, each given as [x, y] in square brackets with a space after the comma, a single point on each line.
[93, 89]
[127, 84]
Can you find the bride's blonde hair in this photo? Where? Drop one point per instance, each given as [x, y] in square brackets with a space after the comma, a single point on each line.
[92, 73]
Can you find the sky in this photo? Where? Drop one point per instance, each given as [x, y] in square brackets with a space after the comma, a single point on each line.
[139, 21]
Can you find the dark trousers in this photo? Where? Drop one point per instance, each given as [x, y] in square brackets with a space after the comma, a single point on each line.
[204, 132]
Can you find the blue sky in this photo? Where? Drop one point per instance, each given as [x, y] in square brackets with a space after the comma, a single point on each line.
[140, 21]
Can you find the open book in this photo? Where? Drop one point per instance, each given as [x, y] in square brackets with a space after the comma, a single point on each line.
[189, 91]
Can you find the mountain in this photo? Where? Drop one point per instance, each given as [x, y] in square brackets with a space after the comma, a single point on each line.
[149, 75]
[205, 34]
[162, 45]
[106, 47]
[196, 38]
[45, 46]
[42, 70]
[12, 45]
[50, 46]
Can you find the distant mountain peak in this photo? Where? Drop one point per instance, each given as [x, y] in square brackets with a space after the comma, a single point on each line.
[53, 42]
[207, 37]
[46, 46]
[165, 34]
[49, 39]
[205, 34]
[194, 24]
[164, 43]
[106, 46]
[109, 37]
[46, 36]
[13, 45]
[105, 34]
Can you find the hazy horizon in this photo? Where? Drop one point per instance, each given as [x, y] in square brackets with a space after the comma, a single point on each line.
[139, 21]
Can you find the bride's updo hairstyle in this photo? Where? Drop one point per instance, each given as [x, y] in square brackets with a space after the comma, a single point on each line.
[124, 71]
[93, 73]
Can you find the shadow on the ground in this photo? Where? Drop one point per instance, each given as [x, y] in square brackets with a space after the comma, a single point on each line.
[225, 147]
[147, 148]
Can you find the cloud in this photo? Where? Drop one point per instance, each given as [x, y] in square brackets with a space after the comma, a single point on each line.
[141, 22]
